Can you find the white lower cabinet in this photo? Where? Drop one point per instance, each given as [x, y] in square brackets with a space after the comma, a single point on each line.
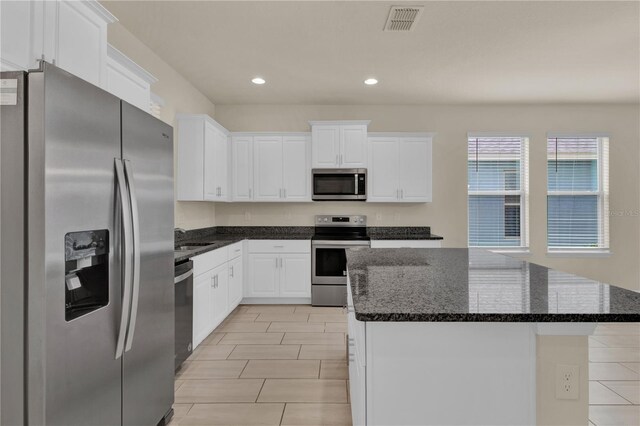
[235, 282]
[279, 269]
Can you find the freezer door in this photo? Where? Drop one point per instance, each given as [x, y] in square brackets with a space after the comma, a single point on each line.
[73, 277]
[148, 361]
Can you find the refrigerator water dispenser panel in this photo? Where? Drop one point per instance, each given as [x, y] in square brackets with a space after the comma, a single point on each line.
[86, 255]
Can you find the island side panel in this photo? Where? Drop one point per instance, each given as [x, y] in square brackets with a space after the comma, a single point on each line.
[423, 373]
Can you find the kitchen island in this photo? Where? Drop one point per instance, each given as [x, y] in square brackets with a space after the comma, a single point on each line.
[434, 330]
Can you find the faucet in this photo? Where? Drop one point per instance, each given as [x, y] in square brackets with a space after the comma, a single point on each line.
[181, 230]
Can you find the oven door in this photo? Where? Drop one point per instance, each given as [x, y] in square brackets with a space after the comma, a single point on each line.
[329, 261]
[339, 184]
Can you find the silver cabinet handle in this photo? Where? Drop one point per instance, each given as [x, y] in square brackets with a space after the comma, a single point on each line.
[341, 159]
[126, 255]
[276, 263]
[280, 262]
[250, 193]
[284, 190]
[135, 218]
[402, 194]
[213, 281]
[278, 246]
[337, 160]
[232, 272]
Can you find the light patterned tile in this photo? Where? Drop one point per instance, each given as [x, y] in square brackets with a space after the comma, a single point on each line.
[611, 371]
[317, 414]
[314, 338]
[213, 352]
[212, 339]
[244, 327]
[629, 390]
[299, 327]
[610, 415]
[276, 317]
[271, 309]
[177, 383]
[335, 352]
[179, 412]
[219, 390]
[303, 390]
[234, 414]
[252, 339]
[319, 310]
[614, 354]
[265, 352]
[601, 395]
[212, 369]
[595, 343]
[335, 327]
[619, 328]
[282, 369]
[334, 370]
[327, 318]
[242, 318]
[619, 340]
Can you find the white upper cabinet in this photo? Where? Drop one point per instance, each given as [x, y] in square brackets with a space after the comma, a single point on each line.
[70, 34]
[339, 144]
[127, 80]
[242, 168]
[202, 150]
[399, 168]
[281, 168]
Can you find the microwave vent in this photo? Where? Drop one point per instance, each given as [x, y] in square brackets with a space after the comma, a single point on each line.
[403, 18]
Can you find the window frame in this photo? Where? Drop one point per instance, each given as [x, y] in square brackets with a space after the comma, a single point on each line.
[523, 192]
[602, 192]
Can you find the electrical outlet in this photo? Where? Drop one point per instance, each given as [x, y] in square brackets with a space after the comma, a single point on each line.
[567, 381]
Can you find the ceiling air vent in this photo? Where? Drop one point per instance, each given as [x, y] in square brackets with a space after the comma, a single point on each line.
[403, 18]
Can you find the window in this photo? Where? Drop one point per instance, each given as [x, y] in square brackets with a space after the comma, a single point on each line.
[578, 193]
[497, 170]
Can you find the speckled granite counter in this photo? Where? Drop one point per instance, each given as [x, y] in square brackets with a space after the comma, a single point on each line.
[222, 236]
[401, 233]
[450, 284]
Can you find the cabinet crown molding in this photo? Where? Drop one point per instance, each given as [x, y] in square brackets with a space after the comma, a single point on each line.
[128, 63]
[206, 118]
[101, 10]
[246, 134]
[340, 122]
[401, 134]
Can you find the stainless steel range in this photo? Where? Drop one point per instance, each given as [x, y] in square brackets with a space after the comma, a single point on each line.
[334, 234]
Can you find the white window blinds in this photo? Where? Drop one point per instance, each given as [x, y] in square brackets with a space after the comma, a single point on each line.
[498, 184]
[578, 193]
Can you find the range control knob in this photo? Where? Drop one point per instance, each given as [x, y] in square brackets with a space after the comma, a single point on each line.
[325, 219]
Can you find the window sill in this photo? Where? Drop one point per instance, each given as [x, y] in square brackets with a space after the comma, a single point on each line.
[579, 253]
[517, 251]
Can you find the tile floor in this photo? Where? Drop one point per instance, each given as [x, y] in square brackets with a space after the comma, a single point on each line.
[614, 374]
[286, 365]
[268, 365]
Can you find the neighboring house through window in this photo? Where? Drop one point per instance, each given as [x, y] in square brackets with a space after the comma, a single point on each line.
[497, 170]
[578, 193]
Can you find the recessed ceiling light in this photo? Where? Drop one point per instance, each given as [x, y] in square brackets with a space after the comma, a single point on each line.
[370, 81]
[258, 80]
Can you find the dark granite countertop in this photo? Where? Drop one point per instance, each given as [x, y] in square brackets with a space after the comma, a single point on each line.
[222, 236]
[457, 284]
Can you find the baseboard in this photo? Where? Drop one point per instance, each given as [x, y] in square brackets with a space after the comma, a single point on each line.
[276, 301]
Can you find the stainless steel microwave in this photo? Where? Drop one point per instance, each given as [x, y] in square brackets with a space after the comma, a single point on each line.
[339, 184]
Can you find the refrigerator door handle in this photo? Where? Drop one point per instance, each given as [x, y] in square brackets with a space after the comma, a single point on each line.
[135, 220]
[126, 241]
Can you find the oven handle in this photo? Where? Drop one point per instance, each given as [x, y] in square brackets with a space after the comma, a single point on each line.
[340, 243]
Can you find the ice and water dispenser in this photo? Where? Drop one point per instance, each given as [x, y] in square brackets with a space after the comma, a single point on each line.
[86, 270]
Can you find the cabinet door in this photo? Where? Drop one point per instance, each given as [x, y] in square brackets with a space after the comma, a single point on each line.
[353, 146]
[295, 275]
[75, 36]
[202, 288]
[296, 172]
[263, 275]
[235, 282]
[325, 145]
[415, 173]
[383, 170]
[221, 170]
[242, 168]
[190, 165]
[267, 168]
[21, 34]
[125, 84]
[219, 295]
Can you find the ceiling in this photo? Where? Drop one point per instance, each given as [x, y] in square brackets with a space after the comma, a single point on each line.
[460, 52]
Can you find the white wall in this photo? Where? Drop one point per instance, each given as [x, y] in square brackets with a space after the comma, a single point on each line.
[447, 214]
[180, 96]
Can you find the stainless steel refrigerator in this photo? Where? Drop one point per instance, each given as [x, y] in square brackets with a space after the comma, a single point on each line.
[87, 255]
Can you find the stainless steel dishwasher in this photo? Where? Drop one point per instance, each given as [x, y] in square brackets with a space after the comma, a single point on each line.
[183, 280]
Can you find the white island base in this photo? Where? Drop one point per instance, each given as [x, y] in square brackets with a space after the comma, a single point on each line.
[461, 373]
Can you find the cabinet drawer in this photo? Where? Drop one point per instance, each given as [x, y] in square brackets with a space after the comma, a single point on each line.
[209, 260]
[235, 250]
[406, 243]
[279, 246]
